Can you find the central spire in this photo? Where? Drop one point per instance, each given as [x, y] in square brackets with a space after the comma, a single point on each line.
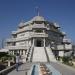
[37, 9]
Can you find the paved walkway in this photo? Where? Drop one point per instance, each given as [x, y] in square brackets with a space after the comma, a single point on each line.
[23, 69]
[64, 69]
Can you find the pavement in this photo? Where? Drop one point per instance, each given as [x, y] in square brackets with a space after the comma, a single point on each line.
[63, 69]
[22, 70]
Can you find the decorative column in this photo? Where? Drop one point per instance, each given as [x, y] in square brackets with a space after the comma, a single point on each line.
[28, 43]
[23, 52]
[44, 42]
[20, 52]
[13, 52]
[24, 56]
[17, 51]
[8, 63]
[33, 42]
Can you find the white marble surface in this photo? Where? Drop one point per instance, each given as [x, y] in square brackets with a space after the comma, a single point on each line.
[39, 55]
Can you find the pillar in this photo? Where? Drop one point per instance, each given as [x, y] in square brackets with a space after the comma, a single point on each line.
[8, 63]
[27, 43]
[20, 52]
[44, 42]
[33, 42]
[24, 57]
[13, 52]
[17, 51]
[23, 52]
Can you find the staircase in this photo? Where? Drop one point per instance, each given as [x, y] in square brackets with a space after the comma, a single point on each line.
[39, 55]
[50, 54]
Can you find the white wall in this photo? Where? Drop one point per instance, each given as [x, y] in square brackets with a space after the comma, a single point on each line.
[22, 43]
[24, 34]
[68, 46]
[61, 53]
[60, 47]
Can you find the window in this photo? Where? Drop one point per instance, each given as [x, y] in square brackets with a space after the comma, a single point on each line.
[38, 22]
[13, 43]
[38, 30]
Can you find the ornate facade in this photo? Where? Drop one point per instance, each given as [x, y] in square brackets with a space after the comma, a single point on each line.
[35, 35]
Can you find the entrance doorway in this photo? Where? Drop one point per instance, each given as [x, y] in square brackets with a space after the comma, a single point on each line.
[38, 43]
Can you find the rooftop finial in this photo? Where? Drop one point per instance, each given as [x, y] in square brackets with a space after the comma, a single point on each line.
[37, 9]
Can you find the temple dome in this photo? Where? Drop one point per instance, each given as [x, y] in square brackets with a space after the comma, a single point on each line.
[38, 18]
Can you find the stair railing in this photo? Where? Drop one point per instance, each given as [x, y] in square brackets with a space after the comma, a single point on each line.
[46, 54]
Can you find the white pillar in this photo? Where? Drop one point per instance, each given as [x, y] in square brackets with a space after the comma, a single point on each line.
[27, 43]
[20, 52]
[44, 42]
[33, 42]
[17, 51]
[13, 52]
[8, 63]
[23, 52]
[24, 57]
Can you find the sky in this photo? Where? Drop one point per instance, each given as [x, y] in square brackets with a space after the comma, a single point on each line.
[12, 12]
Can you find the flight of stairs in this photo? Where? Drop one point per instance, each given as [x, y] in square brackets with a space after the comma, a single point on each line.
[39, 55]
[50, 54]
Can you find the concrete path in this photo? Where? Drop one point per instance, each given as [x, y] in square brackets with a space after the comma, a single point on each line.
[64, 69]
[23, 69]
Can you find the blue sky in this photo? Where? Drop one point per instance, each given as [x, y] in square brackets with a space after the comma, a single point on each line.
[60, 11]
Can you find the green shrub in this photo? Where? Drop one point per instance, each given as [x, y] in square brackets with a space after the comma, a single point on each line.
[65, 59]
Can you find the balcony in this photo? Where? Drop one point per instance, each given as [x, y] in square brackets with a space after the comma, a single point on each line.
[16, 47]
[64, 47]
[22, 30]
[11, 40]
[66, 40]
[38, 26]
[16, 39]
[38, 35]
[25, 38]
[60, 47]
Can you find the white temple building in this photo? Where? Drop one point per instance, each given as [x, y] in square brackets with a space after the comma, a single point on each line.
[38, 40]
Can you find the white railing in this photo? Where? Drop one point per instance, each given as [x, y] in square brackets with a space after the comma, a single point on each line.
[39, 35]
[38, 26]
[30, 36]
[10, 39]
[67, 40]
[16, 47]
[16, 39]
[64, 47]
[60, 47]
[24, 29]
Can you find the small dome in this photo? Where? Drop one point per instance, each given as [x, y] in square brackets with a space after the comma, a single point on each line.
[56, 25]
[21, 24]
[64, 33]
[38, 18]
